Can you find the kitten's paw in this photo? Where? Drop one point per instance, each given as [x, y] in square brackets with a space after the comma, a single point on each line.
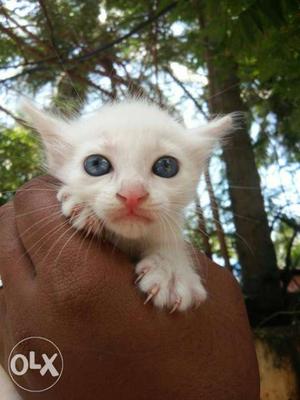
[167, 286]
[79, 214]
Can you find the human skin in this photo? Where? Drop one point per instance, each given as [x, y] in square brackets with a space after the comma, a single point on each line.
[79, 293]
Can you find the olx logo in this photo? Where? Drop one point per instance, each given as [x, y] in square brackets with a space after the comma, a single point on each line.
[35, 355]
[48, 366]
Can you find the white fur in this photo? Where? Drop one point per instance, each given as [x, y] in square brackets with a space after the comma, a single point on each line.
[133, 135]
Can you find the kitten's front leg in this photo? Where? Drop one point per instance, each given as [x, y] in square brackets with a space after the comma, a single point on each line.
[80, 215]
[169, 279]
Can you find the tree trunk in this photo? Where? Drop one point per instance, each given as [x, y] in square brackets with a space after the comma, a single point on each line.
[260, 274]
[202, 229]
[254, 246]
[215, 212]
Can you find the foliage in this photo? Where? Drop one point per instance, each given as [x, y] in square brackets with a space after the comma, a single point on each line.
[19, 160]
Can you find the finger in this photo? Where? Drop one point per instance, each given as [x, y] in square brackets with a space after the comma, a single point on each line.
[38, 215]
[16, 269]
[48, 238]
[61, 255]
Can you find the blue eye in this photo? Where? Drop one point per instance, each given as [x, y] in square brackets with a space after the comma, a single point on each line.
[97, 165]
[166, 167]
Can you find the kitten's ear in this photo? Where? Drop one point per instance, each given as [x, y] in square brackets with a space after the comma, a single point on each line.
[207, 136]
[52, 131]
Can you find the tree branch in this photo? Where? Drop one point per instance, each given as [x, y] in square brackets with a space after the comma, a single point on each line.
[288, 257]
[136, 29]
[216, 216]
[89, 82]
[19, 41]
[186, 91]
[290, 222]
[19, 120]
[22, 27]
[50, 29]
[25, 72]
[39, 64]
[202, 229]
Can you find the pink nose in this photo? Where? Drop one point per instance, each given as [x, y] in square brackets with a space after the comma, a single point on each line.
[132, 199]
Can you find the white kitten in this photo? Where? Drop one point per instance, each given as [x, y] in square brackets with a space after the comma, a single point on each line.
[131, 169]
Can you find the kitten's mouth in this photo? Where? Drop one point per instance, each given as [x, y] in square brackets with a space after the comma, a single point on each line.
[132, 216]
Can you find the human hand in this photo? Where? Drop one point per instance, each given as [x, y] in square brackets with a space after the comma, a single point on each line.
[79, 293]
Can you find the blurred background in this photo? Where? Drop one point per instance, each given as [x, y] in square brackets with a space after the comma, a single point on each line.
[198, 59]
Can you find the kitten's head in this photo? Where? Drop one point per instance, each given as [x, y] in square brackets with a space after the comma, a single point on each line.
[131, 162]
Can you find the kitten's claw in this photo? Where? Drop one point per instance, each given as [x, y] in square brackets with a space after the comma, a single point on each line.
[176, 305]
[140, 276]
[62, 194]
[80, 215]
[76, 210]
[168, 285]
[152, 293]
